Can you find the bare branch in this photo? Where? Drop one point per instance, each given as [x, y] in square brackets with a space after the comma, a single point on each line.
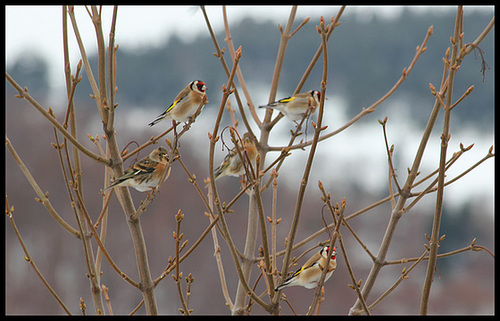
[42, 197]
[25, 95]
[9, 211]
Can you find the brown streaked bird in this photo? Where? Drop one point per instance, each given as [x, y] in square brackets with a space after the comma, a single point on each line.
[145, 174]
[232, 164]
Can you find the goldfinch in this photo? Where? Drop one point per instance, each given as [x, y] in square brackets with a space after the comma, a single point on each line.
[296, 107]
[309, 274]
[145, 174]
[232, 164]
[185, 104]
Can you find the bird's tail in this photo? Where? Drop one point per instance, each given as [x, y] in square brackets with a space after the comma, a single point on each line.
[271, 105]
[126, 176]
[113, 184]
[218, 171]
[158, 119]
[288, 280]
[284, 284]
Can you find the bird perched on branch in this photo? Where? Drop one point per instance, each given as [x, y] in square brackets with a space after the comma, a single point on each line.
[233, 164]
[145, 174]
[185, 104]
[309, 274]
[296, 107]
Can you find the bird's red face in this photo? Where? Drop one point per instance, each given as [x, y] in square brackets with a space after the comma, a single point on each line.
[334, 252]
[200, 85]
[316, 95]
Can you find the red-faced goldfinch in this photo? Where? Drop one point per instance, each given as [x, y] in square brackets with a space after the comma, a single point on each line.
[309, 274]
[296, 107]
[185, 104]
[145, 174]
[232, 164]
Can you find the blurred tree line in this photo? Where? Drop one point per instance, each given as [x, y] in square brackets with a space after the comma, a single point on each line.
[360, 70]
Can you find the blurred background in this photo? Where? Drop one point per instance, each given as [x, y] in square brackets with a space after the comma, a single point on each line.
[162, 49]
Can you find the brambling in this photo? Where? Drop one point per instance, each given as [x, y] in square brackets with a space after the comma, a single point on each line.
[296, 107]
[145, 174]
[233, 164]
[185, 104]
[309, 274]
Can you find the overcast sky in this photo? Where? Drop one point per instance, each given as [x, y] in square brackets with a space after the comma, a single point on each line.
[39, 28]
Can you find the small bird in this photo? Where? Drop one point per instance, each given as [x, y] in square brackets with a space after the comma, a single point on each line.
[145, 174]
[296, 107]
[185, 104]
[232, 164]
[309, 274]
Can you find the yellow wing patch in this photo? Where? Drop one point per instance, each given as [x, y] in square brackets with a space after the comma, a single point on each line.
[299, 271]
[172, 106]
[286, 100]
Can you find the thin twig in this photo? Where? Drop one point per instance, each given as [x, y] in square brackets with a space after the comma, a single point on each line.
[356, 285]
[152, 140]
[442, 162]
[390, 151]
[92, 275]
[93, 84]
[103, 249]
[112, 70]
[108, 301]
[317, 130]
[334, 23]
[42, 197]
[404, 275]
[9, 211]
[23, 93]
[218, 260]
[178, 275]
[274, 222]
[241, 80]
